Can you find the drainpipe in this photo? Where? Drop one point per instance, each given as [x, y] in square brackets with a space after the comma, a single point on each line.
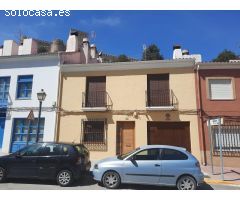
[200, 119]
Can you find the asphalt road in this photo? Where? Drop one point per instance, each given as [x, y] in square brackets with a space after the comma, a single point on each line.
[87, 183]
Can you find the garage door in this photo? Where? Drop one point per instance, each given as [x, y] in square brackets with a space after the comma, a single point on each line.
[169, 133]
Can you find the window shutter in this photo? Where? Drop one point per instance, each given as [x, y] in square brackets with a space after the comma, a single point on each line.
[220, 89]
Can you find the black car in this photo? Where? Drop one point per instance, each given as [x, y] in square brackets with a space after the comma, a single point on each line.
[58, 161]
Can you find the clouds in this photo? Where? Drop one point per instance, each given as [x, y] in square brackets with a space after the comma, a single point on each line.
[106, 21]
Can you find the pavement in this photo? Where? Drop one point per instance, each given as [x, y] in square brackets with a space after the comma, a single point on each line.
[87, 183]
[231, 176]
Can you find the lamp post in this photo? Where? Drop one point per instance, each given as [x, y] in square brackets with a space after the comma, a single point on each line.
[41, 97]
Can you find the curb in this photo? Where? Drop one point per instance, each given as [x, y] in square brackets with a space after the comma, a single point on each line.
[221, 182]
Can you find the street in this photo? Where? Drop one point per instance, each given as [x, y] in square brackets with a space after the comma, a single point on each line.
[87, 183]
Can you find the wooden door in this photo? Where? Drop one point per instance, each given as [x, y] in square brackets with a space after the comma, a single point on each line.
[158, 90]
[125, 137]
[96, 91]
[170, 133]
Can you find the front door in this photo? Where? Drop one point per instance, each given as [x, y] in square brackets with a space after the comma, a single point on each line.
[2, 124]
[144, 167]
[125, 137]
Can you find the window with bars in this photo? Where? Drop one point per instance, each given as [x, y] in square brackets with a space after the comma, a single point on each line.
[94, 134]
[24, 87]
[22, 127]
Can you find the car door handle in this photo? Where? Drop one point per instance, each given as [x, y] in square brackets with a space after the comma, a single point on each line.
[157, 165]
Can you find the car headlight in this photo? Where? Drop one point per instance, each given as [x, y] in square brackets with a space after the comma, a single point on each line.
[96, 166]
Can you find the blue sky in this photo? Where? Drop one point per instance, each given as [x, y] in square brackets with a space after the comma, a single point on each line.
[117, 32]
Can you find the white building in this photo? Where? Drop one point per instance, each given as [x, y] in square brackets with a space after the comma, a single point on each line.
[21, 77]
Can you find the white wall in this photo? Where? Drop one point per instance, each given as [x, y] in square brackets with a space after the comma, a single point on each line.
[43, 78]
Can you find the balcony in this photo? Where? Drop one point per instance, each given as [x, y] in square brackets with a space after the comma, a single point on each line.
[96, 101]
[161, 100]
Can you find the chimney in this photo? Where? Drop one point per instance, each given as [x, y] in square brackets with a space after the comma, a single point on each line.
[177, 52]
[72, 42]
[100, 60]
[28, 46]
[185, 52]
[57, 45]
[10, 48]
[86, 49]
[93, 51]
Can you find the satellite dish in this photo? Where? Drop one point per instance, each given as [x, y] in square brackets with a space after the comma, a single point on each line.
[144, 47]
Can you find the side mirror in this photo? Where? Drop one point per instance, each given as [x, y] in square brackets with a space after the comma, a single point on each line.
[18, 155]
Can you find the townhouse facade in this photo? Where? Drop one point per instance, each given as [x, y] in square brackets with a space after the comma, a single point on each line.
[218, 97]
[21, 78]
[115, 107]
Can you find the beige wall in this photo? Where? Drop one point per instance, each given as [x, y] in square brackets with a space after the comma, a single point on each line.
[127, 91]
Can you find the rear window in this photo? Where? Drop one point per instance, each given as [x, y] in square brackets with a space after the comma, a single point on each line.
[81, 149]
[171, 154]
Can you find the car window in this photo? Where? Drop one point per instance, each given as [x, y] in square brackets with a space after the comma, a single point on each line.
[51, 150]
[147, 154]
[32, 150]
[81, 149]
[171, 154]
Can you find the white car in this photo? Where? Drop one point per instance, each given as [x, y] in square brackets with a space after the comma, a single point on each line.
[153, 165]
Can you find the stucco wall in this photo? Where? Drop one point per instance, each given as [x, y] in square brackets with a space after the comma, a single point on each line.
[127, 91]
[43, 78]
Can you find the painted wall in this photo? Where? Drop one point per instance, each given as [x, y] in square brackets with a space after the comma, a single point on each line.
[127, 91]
[213, 108]
[45, 77]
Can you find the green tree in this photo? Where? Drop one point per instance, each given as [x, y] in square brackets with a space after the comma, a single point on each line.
[225, 56]
[123, 58]
[152, 52]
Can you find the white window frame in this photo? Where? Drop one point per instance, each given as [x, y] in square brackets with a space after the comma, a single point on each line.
[220, 78]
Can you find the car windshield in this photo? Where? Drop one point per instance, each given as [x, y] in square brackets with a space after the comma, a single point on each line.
[123, 156]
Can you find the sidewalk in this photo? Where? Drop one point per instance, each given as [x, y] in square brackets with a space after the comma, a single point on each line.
[231, 175]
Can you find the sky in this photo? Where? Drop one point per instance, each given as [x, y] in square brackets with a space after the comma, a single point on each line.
[125, 32]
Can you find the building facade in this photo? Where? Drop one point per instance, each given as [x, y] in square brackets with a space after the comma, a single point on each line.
[21, 77]
[115, 107]
[218, 96]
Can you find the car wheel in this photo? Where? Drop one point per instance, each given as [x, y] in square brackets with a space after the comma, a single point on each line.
[64, 178]
[186, 183]
[111, 180]
[2, 174]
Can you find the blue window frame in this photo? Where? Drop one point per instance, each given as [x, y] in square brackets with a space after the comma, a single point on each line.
[20, 133]
[24, 88]
[4, 90]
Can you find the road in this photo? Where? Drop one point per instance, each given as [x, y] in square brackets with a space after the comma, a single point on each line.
[86, 183]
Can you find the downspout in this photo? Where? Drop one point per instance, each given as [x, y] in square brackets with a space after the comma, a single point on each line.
[56, 136]
[200, 118]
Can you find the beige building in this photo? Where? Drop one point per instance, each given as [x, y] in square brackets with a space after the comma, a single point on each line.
[115, 107]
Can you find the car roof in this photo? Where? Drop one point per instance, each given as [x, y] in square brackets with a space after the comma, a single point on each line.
[163, 146]
[67, 143]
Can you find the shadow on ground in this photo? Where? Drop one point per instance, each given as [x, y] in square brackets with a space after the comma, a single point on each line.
[88, 181]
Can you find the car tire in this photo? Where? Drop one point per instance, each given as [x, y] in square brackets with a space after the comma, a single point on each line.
[2, 174]
[64, 178]
[186, 183]
[111, 180]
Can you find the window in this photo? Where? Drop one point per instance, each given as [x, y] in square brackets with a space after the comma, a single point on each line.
[148, 154]
[33, 150]
[22, 127]
[220, 89]
[4, 89]
[171, 154]
[51, 150]
[94, 134]
[24, 88]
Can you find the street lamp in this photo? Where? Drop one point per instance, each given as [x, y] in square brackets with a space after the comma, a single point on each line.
[41, 97]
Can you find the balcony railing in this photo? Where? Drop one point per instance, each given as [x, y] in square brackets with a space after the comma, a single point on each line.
[161, 100]
[96, 101]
